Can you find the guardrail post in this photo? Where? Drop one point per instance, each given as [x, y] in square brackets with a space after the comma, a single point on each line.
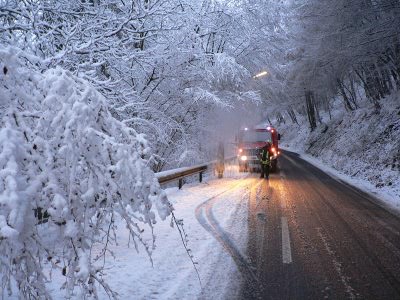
[180, 183]
[220, 167]
[201, 176]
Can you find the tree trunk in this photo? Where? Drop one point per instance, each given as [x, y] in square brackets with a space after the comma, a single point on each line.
[292, 115]
[280, 118]
[317, 106]
[368, 90]
[311, 109]
[346, 100]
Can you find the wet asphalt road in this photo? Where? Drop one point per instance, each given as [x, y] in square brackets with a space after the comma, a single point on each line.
[314, 237]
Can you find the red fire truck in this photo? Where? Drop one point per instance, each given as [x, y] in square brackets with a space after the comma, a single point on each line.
[250, 142]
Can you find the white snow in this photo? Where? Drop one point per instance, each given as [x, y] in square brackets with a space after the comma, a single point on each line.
[172, 275]
[63, 153]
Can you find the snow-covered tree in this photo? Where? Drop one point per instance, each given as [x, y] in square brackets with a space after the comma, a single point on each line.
[68, 169]
[155, 61]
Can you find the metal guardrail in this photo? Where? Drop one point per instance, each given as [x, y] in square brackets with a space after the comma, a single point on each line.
[163, 177]
[179, 174]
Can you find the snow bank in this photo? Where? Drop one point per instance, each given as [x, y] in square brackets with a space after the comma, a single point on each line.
[364, 144]
[65, 158]
[171, 274]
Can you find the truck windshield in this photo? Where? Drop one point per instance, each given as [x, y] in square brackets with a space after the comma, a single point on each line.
[256, 136]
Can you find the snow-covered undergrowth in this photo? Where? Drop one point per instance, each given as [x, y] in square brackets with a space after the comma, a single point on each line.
[364, 144]
[64, 158]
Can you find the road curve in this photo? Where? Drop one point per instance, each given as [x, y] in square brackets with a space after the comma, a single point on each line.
[314, 237]
[205, 217]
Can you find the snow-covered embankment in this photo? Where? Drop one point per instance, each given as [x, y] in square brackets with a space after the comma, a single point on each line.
[363, 145]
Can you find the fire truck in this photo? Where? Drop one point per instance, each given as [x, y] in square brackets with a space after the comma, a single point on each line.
[250, 142]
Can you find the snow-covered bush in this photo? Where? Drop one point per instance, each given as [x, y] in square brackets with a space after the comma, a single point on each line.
[67, 170]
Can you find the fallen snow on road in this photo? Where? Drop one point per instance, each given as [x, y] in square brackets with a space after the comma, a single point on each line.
[172, 275]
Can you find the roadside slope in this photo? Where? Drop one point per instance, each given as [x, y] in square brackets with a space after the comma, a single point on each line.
[364, 145]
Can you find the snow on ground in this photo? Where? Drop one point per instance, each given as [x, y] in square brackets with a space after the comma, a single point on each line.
[172, 275]
[361, 147]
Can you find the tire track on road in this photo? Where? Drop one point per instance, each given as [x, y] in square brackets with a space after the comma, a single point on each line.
[209, 223]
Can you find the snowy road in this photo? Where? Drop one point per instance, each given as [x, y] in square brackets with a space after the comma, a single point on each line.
[313, 237]
[170, 274]
[205, 216]
[223, 203]
[300, 235]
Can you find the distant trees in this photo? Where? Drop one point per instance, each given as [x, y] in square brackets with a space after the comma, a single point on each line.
[319, 50]
[345, 45]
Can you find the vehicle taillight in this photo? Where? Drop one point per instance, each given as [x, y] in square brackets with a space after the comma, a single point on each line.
[273, 149]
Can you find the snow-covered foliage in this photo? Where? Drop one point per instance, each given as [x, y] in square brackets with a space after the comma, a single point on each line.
[162, 65]
[67, 170]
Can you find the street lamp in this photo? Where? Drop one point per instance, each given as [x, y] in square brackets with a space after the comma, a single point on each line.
[261, 74]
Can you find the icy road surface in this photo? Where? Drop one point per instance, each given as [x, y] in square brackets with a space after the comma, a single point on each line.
[315, 237]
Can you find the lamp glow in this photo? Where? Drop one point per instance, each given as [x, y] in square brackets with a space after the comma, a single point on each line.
[261, 74]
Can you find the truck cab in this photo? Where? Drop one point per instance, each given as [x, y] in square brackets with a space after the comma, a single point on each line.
[251, 140]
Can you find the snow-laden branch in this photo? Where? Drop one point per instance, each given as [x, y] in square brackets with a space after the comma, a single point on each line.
[72, 164]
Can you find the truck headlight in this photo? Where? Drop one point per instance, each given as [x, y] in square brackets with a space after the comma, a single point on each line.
[243, 157]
